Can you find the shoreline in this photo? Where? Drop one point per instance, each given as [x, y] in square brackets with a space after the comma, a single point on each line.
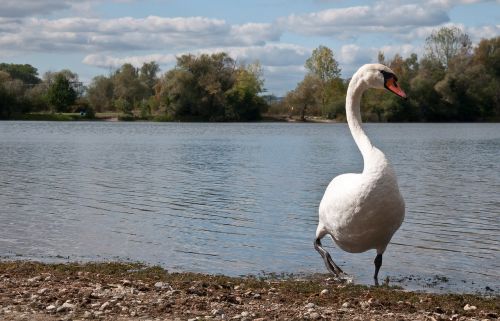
[132, 291]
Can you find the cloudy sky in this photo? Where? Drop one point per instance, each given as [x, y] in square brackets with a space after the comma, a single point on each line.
[94, 37]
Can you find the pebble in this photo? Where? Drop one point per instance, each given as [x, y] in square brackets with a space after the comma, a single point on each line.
[65, 307]
[104, 306]
[244, 314]
[35, 279]
[217, 312]
[256, 296]
[310, 305]
[468, 307]
[42, 291]
[324, 292]
[314, 316]
[162, 285]
[345, 305]
[50, 307]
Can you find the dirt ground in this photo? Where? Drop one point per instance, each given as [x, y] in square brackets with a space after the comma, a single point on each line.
[123, 291]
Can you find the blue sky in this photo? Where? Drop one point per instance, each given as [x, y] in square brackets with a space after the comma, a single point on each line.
[94, 37]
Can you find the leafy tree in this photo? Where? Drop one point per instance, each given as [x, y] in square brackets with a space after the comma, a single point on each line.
[148, 75]
[100, 94]
[446, 43]
[24, 72]
[325, 68]
[243, 100]
[60, 94]
[127, 85]
[304, 96]
[323, 64]
[487, 53]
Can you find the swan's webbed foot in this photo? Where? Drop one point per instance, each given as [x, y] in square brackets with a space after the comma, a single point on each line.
[378, 264]
[330, 265]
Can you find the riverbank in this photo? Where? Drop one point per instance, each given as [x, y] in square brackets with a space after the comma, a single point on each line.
[125, 291]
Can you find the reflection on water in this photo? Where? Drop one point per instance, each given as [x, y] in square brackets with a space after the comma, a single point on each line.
[243, 198]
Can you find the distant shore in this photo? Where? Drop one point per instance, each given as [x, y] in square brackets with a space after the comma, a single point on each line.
[129, 291]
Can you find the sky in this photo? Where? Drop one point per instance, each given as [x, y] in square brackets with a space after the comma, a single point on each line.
[95, 37]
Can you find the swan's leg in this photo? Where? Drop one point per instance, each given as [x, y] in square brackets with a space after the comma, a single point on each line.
[330, 265]
[378, 264]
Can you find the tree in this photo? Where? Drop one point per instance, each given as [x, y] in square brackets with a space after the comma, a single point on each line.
[446, 43]
[24, 72]
[487, 53]
[325, 68]
[127, 86]
[148, 75]
[60, 94]
[304, 96]
[243, 100]
[323, 64]
[100, 94]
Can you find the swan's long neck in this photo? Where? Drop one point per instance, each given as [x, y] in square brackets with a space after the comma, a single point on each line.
[353, 99]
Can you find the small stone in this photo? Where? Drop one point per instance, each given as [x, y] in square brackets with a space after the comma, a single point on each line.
[468, 307]
[244, 314]
[345, 305]
[192, 319]
[35, 279]
[65, 307]
[314, 316]
[217, 312]
[87, 315]
[324, 292]
[256, 296]
[310, 305]
[42, 291]
[50, 307]
[104, 305]
[161, 285]
[237, 287]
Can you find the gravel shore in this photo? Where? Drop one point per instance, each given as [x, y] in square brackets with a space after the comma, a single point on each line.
[124, 291]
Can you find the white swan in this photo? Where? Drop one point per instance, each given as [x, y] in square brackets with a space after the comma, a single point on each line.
[362, 211]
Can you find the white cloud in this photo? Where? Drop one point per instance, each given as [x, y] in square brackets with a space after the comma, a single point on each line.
[270, 55]
[381, 17]
[127, 33]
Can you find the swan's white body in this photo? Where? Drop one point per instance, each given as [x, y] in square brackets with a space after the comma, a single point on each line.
[362, 211]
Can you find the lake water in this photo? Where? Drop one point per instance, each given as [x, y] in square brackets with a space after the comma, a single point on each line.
[242, 199]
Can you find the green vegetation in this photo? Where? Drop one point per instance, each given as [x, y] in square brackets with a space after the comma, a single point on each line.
[452, 81]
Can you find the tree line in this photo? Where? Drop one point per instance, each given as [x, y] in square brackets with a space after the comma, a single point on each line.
[203, 88]
[452, 81]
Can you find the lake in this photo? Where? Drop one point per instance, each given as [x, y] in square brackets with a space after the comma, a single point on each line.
[242, 199]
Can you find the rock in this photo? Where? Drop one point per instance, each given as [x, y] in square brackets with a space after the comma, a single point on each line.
[244, 314]
[324, 292]
[346, 305]
[468, 307]
[87, 315]
[42, 291]
[104, 306]
[50, 307]
[66, 306]
[217, 312]
[310, 305]
[35, 279]
[256, 296]
[162, 285]
[314, 316]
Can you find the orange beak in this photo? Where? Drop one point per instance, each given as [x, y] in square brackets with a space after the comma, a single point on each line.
[393, 86]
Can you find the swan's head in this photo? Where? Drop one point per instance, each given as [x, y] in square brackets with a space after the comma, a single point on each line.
[380, 76]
